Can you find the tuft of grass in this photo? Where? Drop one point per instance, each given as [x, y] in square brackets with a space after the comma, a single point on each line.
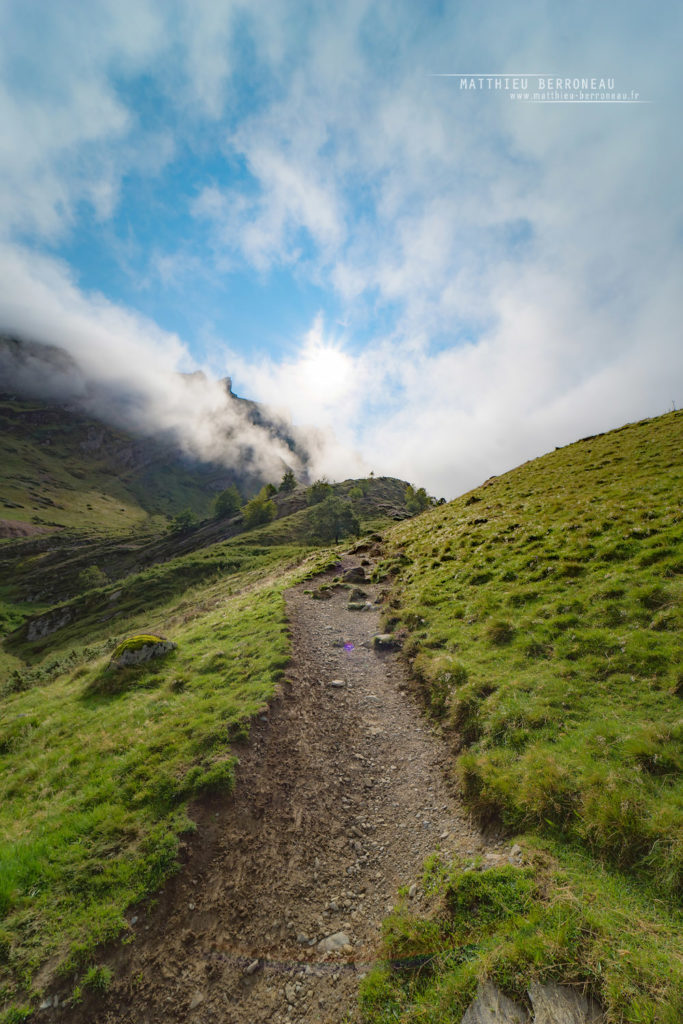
[97, 978]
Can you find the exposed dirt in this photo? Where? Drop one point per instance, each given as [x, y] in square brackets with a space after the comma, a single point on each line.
[15, 528]
[340, 796]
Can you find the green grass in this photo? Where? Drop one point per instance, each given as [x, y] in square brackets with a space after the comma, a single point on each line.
[144, 598]
[97, 765]
[541, 619]
[559, 919]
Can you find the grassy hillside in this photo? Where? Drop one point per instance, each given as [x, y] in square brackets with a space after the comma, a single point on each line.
[59, 469]
[541, 618]
[97, 764]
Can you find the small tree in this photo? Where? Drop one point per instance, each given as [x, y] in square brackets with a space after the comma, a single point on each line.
[269, 490]
[416, 501]
[227, 502]
[183, 522]
[318, 491]
[332, 519]
[288, 482]
[259, 510]
[91, 577]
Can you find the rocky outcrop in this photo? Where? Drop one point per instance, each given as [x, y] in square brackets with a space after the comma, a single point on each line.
[44, 625]
[492, 1007]
[552, 1004]
[556, 1004]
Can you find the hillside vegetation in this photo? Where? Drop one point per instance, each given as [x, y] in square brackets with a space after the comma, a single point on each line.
[541, 618]
[98, 763]
[60, 469]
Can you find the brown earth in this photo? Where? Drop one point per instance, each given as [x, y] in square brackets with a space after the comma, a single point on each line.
[340, 796]
[10, 528]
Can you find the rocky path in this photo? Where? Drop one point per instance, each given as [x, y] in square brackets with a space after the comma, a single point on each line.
[340, 796]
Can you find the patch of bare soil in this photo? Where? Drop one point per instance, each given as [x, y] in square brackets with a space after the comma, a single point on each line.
[340, 796]
[10, 528]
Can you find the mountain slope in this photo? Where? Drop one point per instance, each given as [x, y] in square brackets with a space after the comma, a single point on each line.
[540, 619]
[540, 615]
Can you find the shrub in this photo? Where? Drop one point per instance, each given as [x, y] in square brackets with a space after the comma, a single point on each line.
[318, 491]
[184, 522]
[259, 510]
[227, 503]
[333, 519]
[416, 500]
[91, 577]
[288, 482]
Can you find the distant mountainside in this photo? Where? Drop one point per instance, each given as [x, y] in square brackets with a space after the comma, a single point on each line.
[78, 490]
[63, 464]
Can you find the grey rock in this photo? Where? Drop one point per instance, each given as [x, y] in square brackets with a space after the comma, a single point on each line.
[492, 1007]
[337, 683]
[290, 993]
[412, 892]
[135, 656]
[385, 641]
[355, 575]
[197, 1000]
[44, 625]
[558, 1004]
[333, 943]
[252, 968]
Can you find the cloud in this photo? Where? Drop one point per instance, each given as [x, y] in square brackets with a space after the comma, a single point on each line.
[61, 114]
[126, 370]
[505, 273]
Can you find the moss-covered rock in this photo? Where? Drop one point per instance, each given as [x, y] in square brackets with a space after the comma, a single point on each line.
[140, 648]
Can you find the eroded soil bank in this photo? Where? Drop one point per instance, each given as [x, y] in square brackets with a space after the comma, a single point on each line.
[340, 796]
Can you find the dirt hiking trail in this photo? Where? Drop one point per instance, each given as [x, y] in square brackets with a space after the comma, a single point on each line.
[340, 796]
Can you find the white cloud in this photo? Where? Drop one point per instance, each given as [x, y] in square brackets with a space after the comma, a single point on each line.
[512, 267]
[128, 367]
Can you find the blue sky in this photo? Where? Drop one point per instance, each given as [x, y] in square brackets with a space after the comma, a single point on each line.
[443, 281]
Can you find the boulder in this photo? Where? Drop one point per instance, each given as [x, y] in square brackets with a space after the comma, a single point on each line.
[355, 575]
[385, 641]
[137, 649]
[334, 943]
[492, 1007]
